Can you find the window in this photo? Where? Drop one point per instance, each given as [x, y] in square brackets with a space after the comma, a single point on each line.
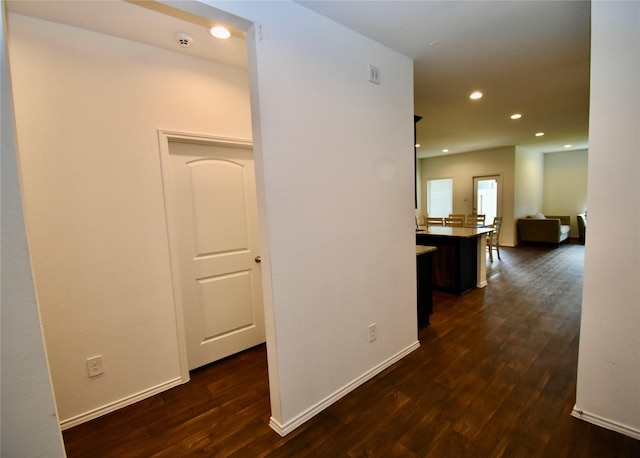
[440, 197]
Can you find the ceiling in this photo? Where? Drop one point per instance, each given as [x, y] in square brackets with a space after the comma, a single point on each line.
[127, 19]
[527, 57]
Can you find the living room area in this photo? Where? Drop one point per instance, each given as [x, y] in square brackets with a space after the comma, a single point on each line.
[529, 183]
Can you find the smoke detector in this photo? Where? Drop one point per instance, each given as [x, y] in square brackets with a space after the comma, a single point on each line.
[184, 40]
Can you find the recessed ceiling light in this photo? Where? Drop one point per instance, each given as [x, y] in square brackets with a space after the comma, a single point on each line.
[220, 32]
[567, 146]
[516, 116]
[539, 134]
[445, 150]
[476, 95]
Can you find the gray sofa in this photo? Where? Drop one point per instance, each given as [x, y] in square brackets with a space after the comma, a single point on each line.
[541, 229]
[582, 227]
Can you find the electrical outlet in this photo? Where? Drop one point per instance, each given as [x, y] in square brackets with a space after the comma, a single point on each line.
[373, 332]
[94, 366]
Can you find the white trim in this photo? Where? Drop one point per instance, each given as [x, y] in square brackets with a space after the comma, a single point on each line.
[124, 402]
[164, 137]
[605, 423]
[204, 139]
[284, 429]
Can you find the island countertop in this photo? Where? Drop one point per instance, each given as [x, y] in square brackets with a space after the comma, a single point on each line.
[422, 249]
[454, 231]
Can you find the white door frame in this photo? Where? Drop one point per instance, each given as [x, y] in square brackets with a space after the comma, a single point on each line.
[498, 177]
[165, 137]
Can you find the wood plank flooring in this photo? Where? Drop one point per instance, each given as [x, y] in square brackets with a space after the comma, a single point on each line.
[494, 377]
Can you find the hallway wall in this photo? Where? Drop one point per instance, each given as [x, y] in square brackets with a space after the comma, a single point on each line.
[608, 387]
[88, 107]
[25, 391]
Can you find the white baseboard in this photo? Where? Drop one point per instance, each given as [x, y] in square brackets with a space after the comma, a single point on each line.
[605, 423]
[113, 406]
[284, 429]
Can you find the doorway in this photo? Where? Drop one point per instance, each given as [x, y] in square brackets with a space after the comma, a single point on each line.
[212, 220]
[486, 196]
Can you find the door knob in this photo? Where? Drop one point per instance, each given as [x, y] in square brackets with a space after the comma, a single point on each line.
[258, 259]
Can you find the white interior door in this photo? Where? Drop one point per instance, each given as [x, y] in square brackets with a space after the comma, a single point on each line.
[213, 217]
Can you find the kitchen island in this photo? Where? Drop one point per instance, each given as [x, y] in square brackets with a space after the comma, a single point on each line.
[459, 263]
[424, 272]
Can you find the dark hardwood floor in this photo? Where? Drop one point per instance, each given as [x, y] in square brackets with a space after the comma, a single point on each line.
[494, 376]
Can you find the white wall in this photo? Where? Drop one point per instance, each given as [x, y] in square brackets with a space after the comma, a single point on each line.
[608, 388]
[462, 168]
[88, 107]
[336, 155]
[565, 185]
[29, 425]
[529, 182]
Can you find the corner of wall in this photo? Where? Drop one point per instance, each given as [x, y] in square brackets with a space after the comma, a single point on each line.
[26, 394]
